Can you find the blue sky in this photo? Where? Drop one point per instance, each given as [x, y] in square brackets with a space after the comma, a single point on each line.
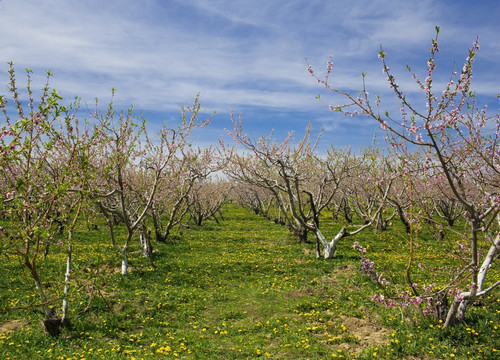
[248, 56]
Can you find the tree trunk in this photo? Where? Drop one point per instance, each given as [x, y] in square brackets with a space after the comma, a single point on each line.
[147, 249]
[347, 211]
[301, 232]
[65, 321]
[51, 323]
[381, 223]
[460, 316]
[330, 250]
[402, 217]
[318, 249]
[451, 316]
[158, 230]
[124, 262]
[330, 247]
[440, 306]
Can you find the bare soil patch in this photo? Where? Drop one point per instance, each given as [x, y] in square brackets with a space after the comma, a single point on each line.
[334, 278]
[344, 270]
[297, 294]
[11, 325]
[309, 252]
[367, 331]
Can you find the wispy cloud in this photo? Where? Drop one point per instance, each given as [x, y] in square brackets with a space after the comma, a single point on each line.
[246, 55]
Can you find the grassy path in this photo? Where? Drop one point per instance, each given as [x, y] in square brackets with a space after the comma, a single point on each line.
[242, 289]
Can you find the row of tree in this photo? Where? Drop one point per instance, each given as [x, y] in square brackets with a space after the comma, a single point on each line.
[442, 159]
[460, 144]
[58, 171]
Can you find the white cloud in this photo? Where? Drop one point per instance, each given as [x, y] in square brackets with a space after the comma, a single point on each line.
[237, 54]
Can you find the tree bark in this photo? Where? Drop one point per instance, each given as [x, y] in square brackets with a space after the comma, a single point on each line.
[65, 321]
[147, 249]
[52, 323]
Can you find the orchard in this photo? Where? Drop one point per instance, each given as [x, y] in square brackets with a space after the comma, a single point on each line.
[116, 242]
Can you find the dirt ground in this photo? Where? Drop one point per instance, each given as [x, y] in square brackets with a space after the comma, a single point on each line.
[368, 332]
[11, 325]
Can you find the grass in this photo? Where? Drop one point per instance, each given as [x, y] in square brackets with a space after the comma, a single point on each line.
[244, 289]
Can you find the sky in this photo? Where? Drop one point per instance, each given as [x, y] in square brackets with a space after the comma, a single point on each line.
[246, 56]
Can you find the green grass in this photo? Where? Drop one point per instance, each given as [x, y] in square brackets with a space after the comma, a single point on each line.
[244, 289]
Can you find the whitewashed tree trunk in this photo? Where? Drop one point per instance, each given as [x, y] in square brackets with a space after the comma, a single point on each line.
[330, 246]
[459, 306]
[330, 250]
[66, 285]
[122, 250]
[495, 246]
[124, 262]
[145, 246]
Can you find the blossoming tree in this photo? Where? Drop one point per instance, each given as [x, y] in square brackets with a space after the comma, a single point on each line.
[303, 183]
[133, 166]
[43, 168]
[461, 142]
